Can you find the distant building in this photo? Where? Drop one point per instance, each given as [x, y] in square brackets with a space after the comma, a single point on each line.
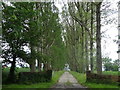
[66, 68]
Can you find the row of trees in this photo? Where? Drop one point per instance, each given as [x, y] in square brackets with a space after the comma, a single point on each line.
[82, 31]
[109, 65]
[35, 26]
[75, 38]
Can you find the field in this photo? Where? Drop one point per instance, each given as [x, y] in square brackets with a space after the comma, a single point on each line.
[82, 80]
[54, 80]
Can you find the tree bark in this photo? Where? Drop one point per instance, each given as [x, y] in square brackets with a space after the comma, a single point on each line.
[91, 40]
[46, 66]
[98, 39]
[32, 66]
[86, 51]
[39, 66]
[86, 42]
[82, 44]
[11, 76]
[82, 52]
[33, 61]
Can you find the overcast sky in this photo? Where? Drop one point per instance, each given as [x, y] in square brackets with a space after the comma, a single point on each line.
[109, 47]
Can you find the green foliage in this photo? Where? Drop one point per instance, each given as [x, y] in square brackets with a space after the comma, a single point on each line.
[108, 65]
[82, 80]
[6, 71]
[27, 77]
[18, 30]
[54, 80]
[36, 26]
[111, 72]
[58, 56]
[34, 77]
[79, 76]
[104, 79]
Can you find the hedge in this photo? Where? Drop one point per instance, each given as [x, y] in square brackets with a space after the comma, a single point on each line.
[34, 77]
[92, 77]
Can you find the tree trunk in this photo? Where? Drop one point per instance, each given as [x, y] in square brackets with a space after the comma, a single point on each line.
[32, 66]
[98, 39]
[11, 76]
[86, 42]
[91, 40]
[45, 67]
[39, 66]
[82, 52]
[33, 61]
[86, 51]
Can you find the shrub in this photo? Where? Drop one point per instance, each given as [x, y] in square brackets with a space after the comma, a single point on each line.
[91, 77]
[34, 77]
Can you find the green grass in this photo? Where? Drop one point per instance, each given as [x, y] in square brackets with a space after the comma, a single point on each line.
[68, 83]
[111, 73]
[82, 80]
[54, 80]
[17, 70]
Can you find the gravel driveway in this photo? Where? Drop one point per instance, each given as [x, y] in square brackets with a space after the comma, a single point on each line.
[67, 81]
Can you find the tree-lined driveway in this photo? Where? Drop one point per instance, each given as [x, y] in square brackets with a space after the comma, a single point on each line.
[67, 81]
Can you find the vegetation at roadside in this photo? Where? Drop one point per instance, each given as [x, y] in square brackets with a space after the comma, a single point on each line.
[36, 27]
[109, 65]
[82, 80]
[111, 72]
[54, 80]
[5, 72]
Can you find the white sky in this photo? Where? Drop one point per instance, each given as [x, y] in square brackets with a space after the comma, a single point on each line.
[109, 47]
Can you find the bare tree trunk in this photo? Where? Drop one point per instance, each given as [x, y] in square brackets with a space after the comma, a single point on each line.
[32, 66]
[39, 66]
[82, 52]
[86, 42]
[98, 39]
[91, 40]
[86, 51]
[11, 76]
[33, 61]
[46, 66]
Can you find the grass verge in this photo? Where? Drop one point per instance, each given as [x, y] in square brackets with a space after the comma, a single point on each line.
[82, 80]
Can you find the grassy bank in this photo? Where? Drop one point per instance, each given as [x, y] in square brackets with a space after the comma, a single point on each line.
[82, 80]
[54, 80]
[110, 73]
